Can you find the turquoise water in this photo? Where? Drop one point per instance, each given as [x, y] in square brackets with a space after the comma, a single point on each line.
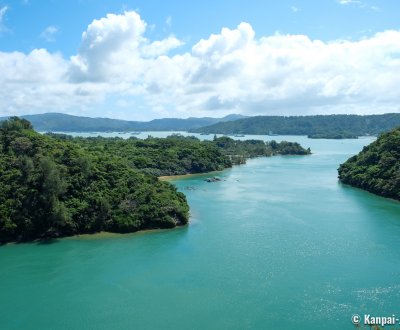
[279, 244]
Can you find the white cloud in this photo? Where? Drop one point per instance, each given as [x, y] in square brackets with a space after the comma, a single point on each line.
[160, 47]
[114, 49]
[49, 33]
[359, 3]
[39, 66]
[110, 49]
[3, 11]
[232, 71]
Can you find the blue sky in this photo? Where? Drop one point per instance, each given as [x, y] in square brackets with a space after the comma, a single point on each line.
[289, 57]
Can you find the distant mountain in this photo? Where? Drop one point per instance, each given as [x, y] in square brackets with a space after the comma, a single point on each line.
[176, 124]
[321, 125]
[58, 122]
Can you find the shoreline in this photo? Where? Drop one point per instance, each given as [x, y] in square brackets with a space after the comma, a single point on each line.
[93, 236]
[109, 234]
[189, 175]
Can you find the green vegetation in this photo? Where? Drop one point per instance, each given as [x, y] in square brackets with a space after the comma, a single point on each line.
[177, 155]
[336, 136]
[174, 155]
[331, 125]
[51, 188]
[377, 167]
[239, 151]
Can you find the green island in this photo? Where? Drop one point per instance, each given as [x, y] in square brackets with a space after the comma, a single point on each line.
[317, 126]
[180, 155]
[61, 122]
[334, 136]
[55, 185]
[377, 167]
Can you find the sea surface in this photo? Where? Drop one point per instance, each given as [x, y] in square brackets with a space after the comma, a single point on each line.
[278, 244]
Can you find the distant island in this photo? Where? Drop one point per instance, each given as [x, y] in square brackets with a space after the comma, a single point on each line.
[315, 127]
[319, 126]
[59, 122]
[332, 136]
[377, 167]
[54, 185]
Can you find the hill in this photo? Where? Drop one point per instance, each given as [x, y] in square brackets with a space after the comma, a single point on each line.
[58, 122]
[319, 126]
[377, 167]
[51, 188]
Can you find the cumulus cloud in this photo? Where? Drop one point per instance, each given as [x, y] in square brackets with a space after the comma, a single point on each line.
[39, 66]
[114, 48]
[231, 71]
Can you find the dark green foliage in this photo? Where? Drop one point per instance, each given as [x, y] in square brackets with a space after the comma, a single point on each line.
[336, 136]
[377, 167]
[238, 151]
[342, 126]
[53, 187]
[177, 154]
[161, 157]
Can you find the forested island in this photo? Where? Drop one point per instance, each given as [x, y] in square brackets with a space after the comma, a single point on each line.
[179, 155]
[60, 122]
[377, 167]
[319, 126]
[316, 127]
[334, 136]
[56, 185]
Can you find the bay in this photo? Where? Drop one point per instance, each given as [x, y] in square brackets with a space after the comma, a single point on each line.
[278, 244]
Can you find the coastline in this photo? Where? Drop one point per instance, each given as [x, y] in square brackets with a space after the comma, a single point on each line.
[93, 236]
[108, 234]
[189, 175]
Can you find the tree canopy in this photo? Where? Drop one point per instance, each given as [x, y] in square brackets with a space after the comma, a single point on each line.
[51, 187]
[377, 167]
[176, 154]
[319, 126]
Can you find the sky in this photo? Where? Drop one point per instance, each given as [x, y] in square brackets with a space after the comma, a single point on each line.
[146, 59]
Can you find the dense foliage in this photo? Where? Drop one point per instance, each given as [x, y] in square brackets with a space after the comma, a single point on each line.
[160, 156]
[53, 187]
[177, 154]
[317, 126]
[377, 167]
[59, 122]
[336, 136]
[238, 151]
